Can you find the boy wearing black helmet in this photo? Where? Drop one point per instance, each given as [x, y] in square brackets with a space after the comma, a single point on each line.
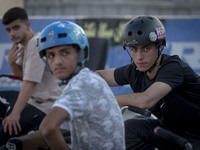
[161, 83]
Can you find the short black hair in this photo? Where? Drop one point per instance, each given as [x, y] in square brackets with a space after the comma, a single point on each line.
[14, 14]
[77, 47]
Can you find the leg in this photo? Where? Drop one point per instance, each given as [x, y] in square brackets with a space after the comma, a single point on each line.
[139, 134]
[32, 141]
[30, 120]
[10, 96]
[194, 139]
[29, 141]
[7, 101]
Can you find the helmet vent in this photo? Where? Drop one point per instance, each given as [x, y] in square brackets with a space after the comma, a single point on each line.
[129, 33]
[61, 35]
[139, 32]
[43, 39]
[150, 18]
[131, 22]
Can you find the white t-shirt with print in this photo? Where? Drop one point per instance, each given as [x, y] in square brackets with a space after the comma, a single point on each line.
[96, 122]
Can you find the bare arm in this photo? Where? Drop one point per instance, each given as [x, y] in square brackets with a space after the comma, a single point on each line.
[33, 140]
[12, 57]
[108, 76]
[12, 120]
[49, 128]
[145, 99]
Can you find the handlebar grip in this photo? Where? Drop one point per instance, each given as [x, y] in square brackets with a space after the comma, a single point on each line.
[15, 77]
[144, 112]
[170, 136]
[11, 77]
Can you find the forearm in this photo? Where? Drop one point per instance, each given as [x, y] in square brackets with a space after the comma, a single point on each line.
[56, 140]
[140, 100]
[50, 130]
[16, 70]
[108, 76]
[145, 99]
[25, 93]
[32, 140]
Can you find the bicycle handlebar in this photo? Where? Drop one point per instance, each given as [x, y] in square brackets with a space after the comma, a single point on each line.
[11, 76]
[144, 112]
[163, 133]
[170, 136]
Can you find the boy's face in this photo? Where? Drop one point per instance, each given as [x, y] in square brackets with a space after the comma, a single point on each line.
[144, 56]
[62, 60]
[17, 30]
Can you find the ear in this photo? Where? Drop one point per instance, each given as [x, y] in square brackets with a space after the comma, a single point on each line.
[161, 47]
[83, 55]
[28, 24]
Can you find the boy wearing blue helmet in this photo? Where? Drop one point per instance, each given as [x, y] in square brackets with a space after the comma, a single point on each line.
[87, 106]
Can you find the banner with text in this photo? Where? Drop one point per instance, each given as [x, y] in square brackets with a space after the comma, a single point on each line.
[182, 39]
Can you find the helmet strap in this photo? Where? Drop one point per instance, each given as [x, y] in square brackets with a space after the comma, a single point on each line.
[47, 65]
[128, 53]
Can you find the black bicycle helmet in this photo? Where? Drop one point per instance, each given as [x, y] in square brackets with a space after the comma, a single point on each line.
[144, 30]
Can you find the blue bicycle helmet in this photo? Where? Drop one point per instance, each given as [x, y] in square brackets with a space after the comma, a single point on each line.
[64, 33]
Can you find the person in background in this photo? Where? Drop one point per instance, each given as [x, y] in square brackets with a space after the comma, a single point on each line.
[39, 87]
[164, 84]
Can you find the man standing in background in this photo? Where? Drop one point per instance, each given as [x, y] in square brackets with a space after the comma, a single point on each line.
[39, 87]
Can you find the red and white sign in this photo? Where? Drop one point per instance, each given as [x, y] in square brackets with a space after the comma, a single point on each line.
[160, 32]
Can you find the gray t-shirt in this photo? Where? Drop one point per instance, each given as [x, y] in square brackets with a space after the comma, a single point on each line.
[96, 122]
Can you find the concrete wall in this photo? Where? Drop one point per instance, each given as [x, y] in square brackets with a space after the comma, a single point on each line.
[104, 8]
[6, 4]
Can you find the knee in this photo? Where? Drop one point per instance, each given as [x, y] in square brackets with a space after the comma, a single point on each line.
[132, 124]
[46, 130]
[133, 127]
[13, 144]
